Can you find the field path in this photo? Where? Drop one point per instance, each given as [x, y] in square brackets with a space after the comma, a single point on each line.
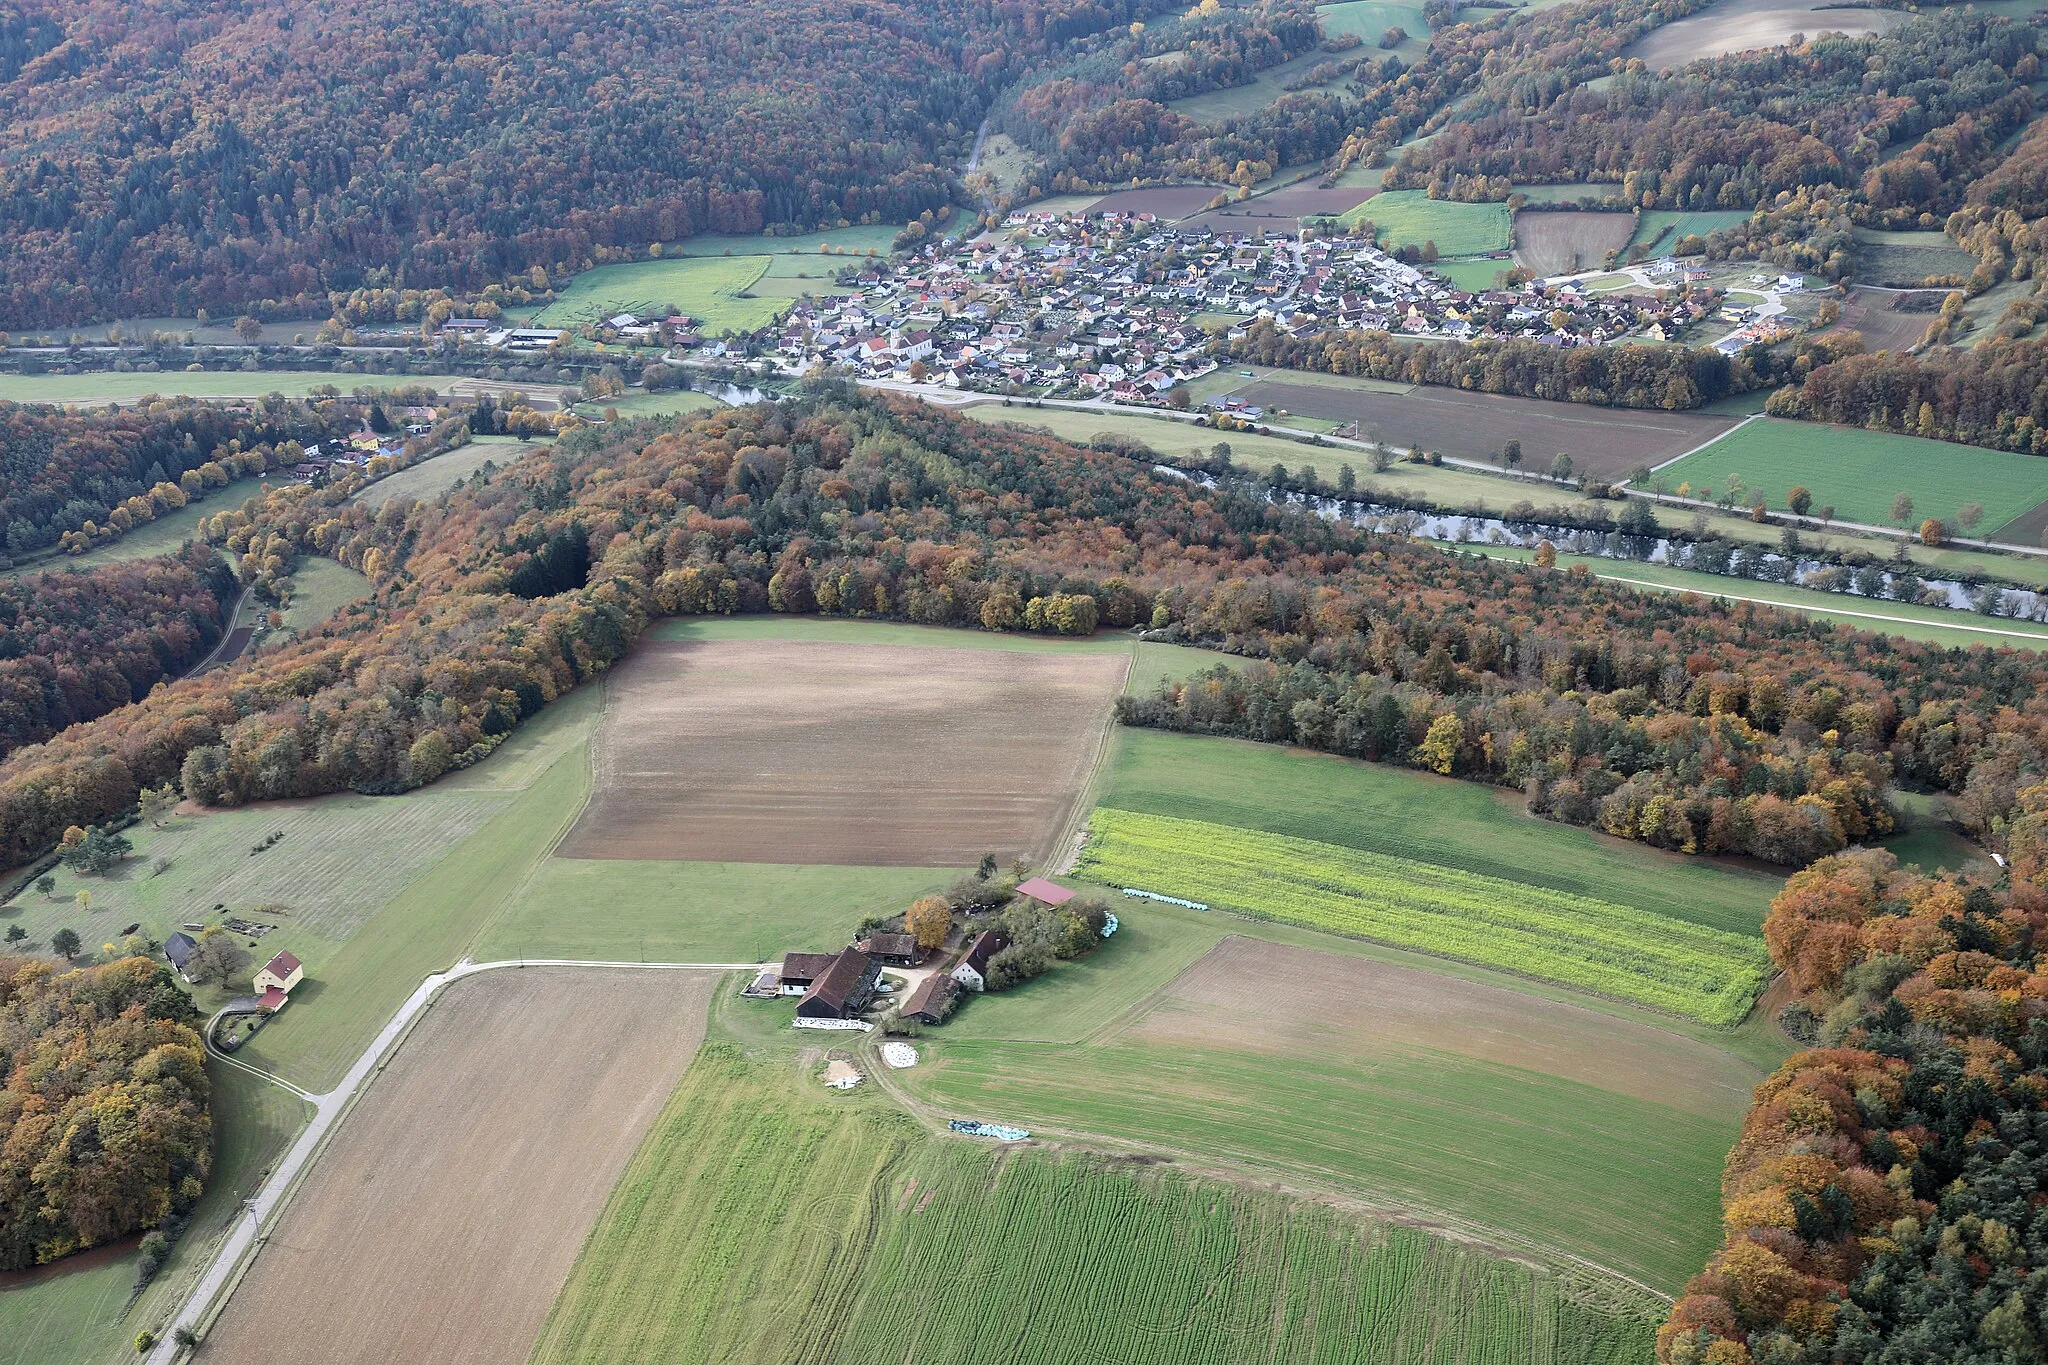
[328, 1110]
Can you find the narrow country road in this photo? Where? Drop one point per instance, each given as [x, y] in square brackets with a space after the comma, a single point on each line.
[327, 1111]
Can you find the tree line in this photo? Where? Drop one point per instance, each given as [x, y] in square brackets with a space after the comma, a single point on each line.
[104, 1128]
[1884, 1202]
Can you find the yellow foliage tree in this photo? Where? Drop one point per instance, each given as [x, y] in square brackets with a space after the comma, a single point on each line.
[928, 920]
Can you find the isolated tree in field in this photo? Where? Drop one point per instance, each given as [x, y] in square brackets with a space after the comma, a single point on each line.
[1347, 480]
[46, 884]
[83, 900]
[1220, 452]
[156, 804]
[93, 850]
[1561, 467]
[1930, 532]
[1902, 508]
[216, 958]
[1969, 514]
[64, 941]
[248, 328]
[1511, 455]
[928, 920]
[15, 933]
[1546, 554]
[1382, 459]
[1799, 500]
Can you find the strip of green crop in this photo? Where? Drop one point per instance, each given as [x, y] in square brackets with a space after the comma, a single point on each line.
[1704, 974]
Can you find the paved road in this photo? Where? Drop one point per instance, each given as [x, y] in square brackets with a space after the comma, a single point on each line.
[328, 1109]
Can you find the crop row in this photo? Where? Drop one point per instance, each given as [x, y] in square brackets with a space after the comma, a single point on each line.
[1687, 969]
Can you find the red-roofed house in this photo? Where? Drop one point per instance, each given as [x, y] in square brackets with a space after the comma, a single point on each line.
[273, 1000]
[280, 974]
[1045, 892]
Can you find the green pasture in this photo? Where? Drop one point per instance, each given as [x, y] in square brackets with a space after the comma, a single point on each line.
[1659, 230]
[1412, 218]
[1266, 87]
[665, 403]
[82, 1315]
[431, 478]
[320, 588]
[108, 386]
[1934, 625]
[1380, 809]
[1472, 276]
[166, 535]
[712, 289]
[1569, 192]
[1371, 18]
[848, 241]
[1859, 472]
[764, 1220]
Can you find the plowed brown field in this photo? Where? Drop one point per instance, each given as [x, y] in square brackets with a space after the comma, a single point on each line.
[444, 1215]
[778, 751]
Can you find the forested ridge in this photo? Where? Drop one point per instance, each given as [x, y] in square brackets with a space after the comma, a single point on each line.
[104, 1127]
[171, 155]
[1662, 718]
[74, 646]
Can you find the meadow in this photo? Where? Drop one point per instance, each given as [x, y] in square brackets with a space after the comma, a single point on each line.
[665, 403]
[1573, 940]
[763, 1221]
[1859, 472]
[711, 289]
[1379, 809]
[1659, 230]
[320, 588]
[111, 387]
[1411, 218]
[165, 535]
[431, 478]
[1371, 18]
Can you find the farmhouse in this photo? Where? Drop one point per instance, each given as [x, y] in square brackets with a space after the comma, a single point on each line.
[932, 1001]
[799, 970]
[844, 989]
[178, 948]
[971, 970]
[280, 974]
[895, 950]
[1044, 892]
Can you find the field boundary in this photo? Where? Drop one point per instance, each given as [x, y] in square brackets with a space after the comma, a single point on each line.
[1067, 844]
[240, 1247]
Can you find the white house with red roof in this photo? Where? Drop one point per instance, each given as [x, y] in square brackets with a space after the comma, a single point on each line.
[275, 979]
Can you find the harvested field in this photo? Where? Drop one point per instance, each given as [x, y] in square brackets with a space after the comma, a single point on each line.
[1873, 312]
[1282, 210]
[2030, 528]
[1247, 992]
[1474, 426]
[451, 1203]
[1168, 201]
[1567, 241]
[1747, 25]
[784, 751]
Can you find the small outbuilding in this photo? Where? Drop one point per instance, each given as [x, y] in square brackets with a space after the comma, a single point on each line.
[844, 989]
[894, 950]
[178, 948]
[1045, 892]
[272, 1000]
[281, 973]
[933, 999]
[971, 970]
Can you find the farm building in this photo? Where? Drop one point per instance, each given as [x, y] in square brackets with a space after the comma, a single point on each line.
[894, 950]
[843, 990]
[281, 973]
[178, 948]
[1045, 892]
[971, 970]
[932, 1001]
[272, 1000]
[799, 970]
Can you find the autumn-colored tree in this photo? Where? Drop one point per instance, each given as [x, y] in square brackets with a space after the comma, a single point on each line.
[1930, 532]
[1546, 554]
[929, 920]
[1902, 508]
[1800, 500]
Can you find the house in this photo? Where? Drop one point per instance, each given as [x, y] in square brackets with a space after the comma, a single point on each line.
[272, 1000]
[179, 948]
[895, 950]
[971, 970]
[844, 989]
[1045, 892]
[799, 970]
[280, 973]
[932, 1001]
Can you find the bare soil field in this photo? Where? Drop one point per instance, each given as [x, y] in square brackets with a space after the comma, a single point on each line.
[1474, 426]
[1747, 25]
[1168, 201]
[1884, 327]
[1249, 993]
[1567, 242]
[1283, 210]
[783, 751]
[443, 1217]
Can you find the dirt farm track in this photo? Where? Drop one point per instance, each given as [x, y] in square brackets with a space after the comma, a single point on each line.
[444, 1216]
[877, 755]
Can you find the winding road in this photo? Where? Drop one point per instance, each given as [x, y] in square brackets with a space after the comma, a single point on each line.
[327, 1111]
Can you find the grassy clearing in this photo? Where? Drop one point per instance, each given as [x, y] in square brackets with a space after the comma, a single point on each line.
[1858, 472]
[712, 289]
[107, 386]
[1371, 18]
[1472, 275]
[846, 239]
[431, 478]
[165, 535]
[1659, 230]
[1574, 940]
[747, 1197]
[77, 1315]
[1379, 809]
[664, 404]
[1267, 87]
[1568, 192]
[1412, 218]
[320, 588]
[1935, 625]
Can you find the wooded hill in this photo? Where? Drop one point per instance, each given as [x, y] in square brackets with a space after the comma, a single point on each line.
[161, 157]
